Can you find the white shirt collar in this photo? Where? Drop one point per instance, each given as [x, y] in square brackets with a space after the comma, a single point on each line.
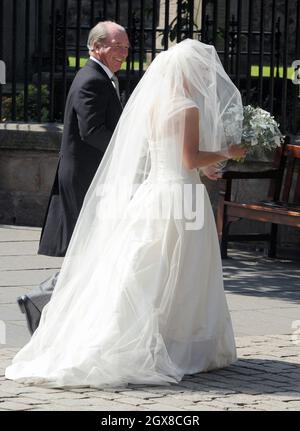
[106, 69]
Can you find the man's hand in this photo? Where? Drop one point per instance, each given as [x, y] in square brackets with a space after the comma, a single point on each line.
[212, 171]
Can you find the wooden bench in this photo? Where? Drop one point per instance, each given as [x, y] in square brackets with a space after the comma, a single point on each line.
[281, 206]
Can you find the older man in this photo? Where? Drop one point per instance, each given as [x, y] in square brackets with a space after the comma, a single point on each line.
[92, 111]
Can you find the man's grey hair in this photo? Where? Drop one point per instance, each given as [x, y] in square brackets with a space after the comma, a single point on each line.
[100, 32]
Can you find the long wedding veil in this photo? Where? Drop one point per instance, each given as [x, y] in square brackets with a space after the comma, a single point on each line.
[188, 75]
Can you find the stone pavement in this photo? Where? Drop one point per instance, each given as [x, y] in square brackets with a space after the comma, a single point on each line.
[263, 297]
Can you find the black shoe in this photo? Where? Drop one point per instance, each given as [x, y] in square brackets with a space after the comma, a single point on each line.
[33, 303]
[31, 312]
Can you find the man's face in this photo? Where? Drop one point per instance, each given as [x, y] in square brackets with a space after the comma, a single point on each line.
[114, 51]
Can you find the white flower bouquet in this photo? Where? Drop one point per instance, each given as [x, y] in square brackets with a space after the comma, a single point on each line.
[261, 134]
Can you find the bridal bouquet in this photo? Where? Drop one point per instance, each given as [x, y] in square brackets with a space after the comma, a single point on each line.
[261, 134]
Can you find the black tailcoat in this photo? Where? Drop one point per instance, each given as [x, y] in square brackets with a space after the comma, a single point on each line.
[91, 115]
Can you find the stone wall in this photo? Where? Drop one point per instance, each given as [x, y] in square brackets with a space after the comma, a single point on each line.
[28, 160]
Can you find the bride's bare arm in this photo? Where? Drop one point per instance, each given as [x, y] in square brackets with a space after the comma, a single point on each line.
[192, 157]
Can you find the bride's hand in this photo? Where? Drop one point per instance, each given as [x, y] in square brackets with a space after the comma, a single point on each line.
[236, 151]
[212, 171]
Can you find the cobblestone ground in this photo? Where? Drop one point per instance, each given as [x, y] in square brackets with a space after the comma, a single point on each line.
[265, 377]
[263, 297]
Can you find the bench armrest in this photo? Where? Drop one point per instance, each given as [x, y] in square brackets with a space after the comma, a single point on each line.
[233, 175]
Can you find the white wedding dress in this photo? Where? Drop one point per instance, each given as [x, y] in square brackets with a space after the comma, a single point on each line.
[140, 296]
[164, 313]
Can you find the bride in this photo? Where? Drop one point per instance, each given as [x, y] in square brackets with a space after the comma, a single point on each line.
[140, 295]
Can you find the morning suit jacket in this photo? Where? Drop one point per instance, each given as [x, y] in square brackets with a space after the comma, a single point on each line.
[91, 115]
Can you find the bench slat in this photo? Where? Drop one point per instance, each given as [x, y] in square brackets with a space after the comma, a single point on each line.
[264, 214]
[258, 206]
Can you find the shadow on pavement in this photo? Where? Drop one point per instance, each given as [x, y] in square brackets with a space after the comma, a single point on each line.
[251, 273]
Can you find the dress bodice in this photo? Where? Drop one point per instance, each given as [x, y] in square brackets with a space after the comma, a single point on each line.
[166, 164]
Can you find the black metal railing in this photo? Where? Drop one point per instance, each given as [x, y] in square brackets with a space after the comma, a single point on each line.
[1, 51]
[43, 43]
[258, 40]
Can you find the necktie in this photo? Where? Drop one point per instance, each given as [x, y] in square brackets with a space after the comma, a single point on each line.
[116, 82]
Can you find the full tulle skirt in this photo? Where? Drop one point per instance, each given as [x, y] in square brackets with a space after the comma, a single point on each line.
[149, 310]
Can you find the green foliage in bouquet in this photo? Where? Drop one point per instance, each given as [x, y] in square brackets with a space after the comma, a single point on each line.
[261, 133]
